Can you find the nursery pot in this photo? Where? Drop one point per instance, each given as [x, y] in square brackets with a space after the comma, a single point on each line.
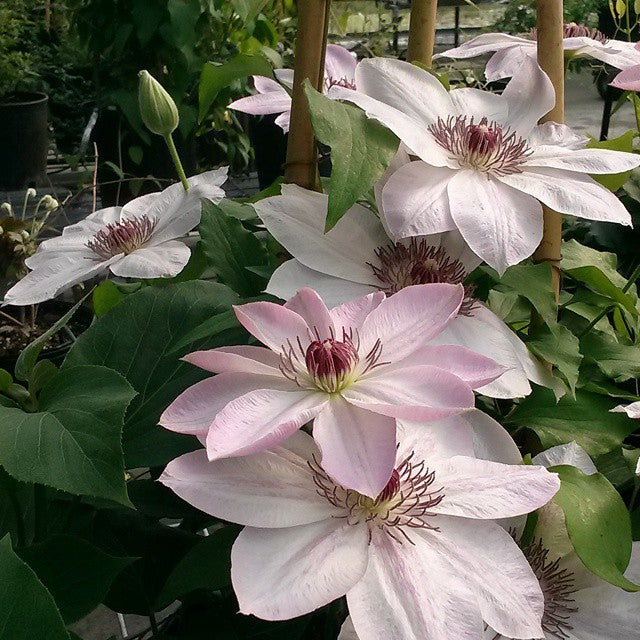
[24, 140]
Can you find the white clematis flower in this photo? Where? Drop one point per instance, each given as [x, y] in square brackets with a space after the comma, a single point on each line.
[358, 257]
[139, 240]
[484, 164]
[509, 51]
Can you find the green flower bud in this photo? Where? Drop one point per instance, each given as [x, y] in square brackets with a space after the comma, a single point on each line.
[157, 108]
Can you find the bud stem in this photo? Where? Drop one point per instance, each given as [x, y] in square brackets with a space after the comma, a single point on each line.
[176, 161]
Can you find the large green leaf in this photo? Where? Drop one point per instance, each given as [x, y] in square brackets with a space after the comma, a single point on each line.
[361, 150]
[248, 9]
[206, 566]
[598, 524]
[615, 360]
[585, 419]
[77, 574]
[27, 610]
[138, 338]
[614, 181]
[216, 77]
[231, 250]
[597, 269]
[73, 442]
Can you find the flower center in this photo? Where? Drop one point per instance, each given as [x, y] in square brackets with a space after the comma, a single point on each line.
[122, 237]
[328, 364]
[557, 586]
[338, 82]
[484, 146]
[573, 30]
[404, 504]
[402, 265]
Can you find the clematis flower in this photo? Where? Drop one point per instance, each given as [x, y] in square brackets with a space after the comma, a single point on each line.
[509, 51]
[139, 240]
[275, 97]
[484, 164]
[578, 604]
[629, 78]
[421, 559]
[353, 370]
[357, 257]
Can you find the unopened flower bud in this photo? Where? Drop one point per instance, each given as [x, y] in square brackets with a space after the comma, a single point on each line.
[157, 108]
[6, 208]
[50, 203]
[31, 193]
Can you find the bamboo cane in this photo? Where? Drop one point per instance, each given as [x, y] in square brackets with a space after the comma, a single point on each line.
[550, 20]
[422, 31]
[302, 155]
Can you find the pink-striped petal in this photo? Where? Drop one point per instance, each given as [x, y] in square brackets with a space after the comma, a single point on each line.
[240, 358]
[310, 307]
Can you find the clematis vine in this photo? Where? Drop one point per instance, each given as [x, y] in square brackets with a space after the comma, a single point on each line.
[422, 558]
[353, 370]
[274, 97]
[509, 52]
[139, 240]
[357, 257]
[483, 164]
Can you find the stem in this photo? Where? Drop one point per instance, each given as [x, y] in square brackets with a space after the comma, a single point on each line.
[595, 321]
[422, 31]
[632, 278]
[176, 161]
[154, 624]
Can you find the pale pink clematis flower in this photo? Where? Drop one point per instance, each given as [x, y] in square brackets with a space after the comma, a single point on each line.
[353, 370]
[139, 240]
[510, 51]
[358, 257]
[274, 97]
[421, 559]
[485, 165]
[629, 78]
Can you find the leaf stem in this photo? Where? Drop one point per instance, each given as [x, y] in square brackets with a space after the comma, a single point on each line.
[176, 161]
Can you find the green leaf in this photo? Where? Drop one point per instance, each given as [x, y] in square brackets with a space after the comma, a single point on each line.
[209, 328]
[585, 419]
[106, 296]
[218, 76]
[533, 282]
[77, 574]
[361, 150]
[248, 9]
[618, 361]
[27, 359]
[73, 442]
[598, 524]
[230, 249]
[138, 339]
[597, 269]
[206, 566]
[614, 181]
[27, 610]
[561, 348]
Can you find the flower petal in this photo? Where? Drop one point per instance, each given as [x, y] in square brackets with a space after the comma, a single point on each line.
[507, 62]
[260, 419]
[292, 275]
[310, 307]
[491, 441]
[490, 490]
[263, 103]
[530, 95]
[413, 393]
[241, 358]
[474, 103]
[415, 201]
[347, 631]
[486, 43]
[271, 489]
[572, 454]
[410, 318]
[279, 574]
[340, 63]
[358, 447]
[194, 410]
[410, 593]
[296, 220]
[571, 193]
[592, 161]
[164, 260]
[352, 314]
[501, 225]
[629, 79]
[54, 277]
[273, 324]
[267, 85]
[486, 557]
[632, 410]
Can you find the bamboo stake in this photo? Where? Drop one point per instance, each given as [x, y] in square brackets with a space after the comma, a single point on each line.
[550, 20]
[302, 155]
[422, 31]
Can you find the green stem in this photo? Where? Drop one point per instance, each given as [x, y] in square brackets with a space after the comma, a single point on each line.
[154, 625]
[595, 321]
[632, 278]
[176, 161]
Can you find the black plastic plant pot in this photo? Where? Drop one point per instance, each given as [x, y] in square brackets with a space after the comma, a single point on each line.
[24, 140]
